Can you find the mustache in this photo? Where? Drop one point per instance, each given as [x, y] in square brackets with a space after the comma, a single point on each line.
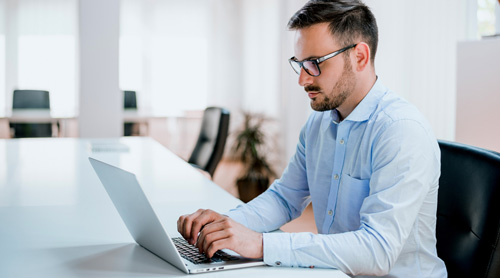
[312, 88]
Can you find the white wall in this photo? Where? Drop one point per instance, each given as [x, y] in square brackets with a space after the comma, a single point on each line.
[226, 51]
[417, 54]
[478, 93]
[11, 48]
[294, 103]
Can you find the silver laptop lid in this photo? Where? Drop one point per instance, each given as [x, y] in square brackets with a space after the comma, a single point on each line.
[137, 213]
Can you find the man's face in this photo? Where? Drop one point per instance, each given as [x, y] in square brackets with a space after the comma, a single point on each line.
[336, 82]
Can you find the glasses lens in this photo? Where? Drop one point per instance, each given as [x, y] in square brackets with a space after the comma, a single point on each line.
[295, 66]
[311, 68]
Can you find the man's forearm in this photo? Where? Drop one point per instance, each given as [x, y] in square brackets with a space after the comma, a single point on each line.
[267, 212]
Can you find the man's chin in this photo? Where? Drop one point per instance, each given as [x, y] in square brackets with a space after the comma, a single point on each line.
[318, 108]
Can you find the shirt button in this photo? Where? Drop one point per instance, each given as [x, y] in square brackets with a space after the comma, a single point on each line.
[278, 263]
[336, 177]
[330, 212]
[342, 141]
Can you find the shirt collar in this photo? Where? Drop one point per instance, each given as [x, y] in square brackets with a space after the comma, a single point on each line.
[363, 111]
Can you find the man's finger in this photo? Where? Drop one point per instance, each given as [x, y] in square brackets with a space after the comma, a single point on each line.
[180, 223]
[207, 216]
[210, 238]
[214, 246]
[184, 227]
[207, 230]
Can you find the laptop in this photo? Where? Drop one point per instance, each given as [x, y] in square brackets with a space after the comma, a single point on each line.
[147, 230]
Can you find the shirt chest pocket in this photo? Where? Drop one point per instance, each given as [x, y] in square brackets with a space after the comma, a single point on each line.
[352, 193]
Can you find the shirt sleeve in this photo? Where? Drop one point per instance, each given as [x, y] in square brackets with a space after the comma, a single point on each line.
[285, 199]
[405, 165]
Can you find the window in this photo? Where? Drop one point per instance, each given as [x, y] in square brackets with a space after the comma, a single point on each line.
[39, 40]
[486, 17]
[2, 60]
[164, 54]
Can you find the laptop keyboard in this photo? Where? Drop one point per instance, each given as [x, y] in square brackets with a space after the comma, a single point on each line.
[191, 253]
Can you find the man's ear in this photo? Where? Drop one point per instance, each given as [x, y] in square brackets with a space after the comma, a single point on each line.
[362, 56]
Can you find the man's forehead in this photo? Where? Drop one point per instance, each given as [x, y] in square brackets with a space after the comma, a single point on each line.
[314, 41]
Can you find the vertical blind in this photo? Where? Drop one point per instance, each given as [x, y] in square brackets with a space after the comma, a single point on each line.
[39, 41]
[163, 54]
[47, 42]
[2, 59]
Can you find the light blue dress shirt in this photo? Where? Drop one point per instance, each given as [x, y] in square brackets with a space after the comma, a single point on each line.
[372, 180]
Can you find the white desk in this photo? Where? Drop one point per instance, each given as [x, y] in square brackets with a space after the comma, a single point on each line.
[145, 121]
[56, 219]
[60, 125]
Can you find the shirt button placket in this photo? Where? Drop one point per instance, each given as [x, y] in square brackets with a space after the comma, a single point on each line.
[330, 212]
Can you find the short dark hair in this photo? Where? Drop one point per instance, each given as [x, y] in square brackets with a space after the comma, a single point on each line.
[349, 21]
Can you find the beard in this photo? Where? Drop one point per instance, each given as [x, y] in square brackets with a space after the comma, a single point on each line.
[338, 94]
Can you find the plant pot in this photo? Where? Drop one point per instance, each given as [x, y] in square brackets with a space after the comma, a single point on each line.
[249, 188]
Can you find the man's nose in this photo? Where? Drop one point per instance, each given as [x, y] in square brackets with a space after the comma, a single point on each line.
[304, 78]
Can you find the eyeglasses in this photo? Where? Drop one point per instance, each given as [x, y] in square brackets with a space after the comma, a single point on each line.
[311, 66]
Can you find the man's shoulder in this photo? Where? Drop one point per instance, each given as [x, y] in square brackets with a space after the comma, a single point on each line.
[394, 108]
[397, 118]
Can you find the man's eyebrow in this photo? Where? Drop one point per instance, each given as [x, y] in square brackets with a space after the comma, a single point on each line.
[308, 58]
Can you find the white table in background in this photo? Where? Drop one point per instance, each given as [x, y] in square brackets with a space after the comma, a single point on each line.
[145, 122]
[62, 126]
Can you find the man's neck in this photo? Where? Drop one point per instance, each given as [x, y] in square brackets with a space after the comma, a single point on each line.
[359, 93]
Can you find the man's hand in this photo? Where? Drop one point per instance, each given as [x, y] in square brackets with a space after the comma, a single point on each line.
[217, 232]
[190, 225]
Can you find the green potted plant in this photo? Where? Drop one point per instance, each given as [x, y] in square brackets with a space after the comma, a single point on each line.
[248, 148]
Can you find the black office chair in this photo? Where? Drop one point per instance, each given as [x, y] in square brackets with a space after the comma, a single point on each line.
[31, 99]
[468, 214]
[210, 145]
[129, 102]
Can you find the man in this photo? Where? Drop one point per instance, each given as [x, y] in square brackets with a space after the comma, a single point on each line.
[366, 158]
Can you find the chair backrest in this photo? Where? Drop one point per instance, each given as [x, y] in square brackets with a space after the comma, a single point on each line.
[30, 99]
[30, 130]
[468, 214]
[129, 100]
[212, 138]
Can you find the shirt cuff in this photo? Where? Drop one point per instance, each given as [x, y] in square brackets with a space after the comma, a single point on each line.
[277, 249]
